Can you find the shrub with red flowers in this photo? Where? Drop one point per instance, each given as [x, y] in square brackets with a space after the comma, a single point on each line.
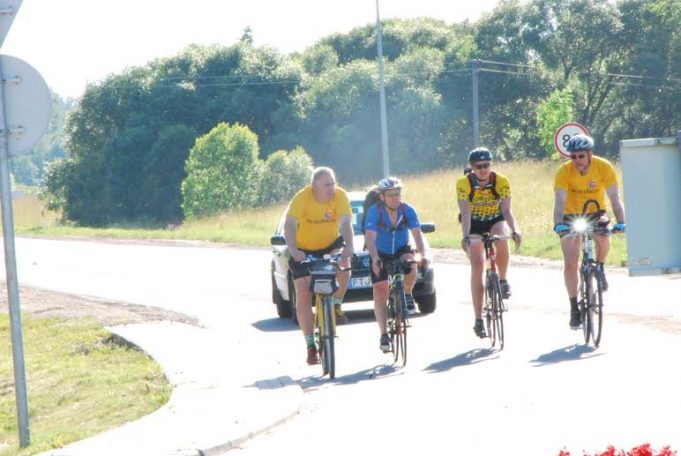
[642, 450]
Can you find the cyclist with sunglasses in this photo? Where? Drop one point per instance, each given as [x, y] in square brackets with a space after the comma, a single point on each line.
[484, 199]
[584, 177]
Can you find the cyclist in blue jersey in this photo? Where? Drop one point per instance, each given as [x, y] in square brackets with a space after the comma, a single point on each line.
[387, 226]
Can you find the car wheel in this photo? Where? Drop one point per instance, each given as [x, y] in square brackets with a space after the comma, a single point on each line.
[426, 303]
[283, 307]
[293, 299]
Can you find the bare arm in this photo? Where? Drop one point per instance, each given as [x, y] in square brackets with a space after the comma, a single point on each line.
[290, 229]
[465, 210]
[558, 206]
[617, 208]
[505, 205]
[370, 241]
[348, 235]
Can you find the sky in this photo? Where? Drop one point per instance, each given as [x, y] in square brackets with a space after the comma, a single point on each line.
[76, 42]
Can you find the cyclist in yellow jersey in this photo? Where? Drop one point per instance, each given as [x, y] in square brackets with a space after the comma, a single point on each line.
[318, 221]
[485, 203]
[584, 177]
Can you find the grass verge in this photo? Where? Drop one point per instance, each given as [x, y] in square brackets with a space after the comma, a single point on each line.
[80, 383]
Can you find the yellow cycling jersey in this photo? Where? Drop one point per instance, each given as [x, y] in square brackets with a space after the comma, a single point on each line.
[484, 206]
[580, 188]
[318, 222]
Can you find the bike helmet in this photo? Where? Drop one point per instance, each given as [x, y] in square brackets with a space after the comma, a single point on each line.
[479, 154]
[580, 142]
[389, 183]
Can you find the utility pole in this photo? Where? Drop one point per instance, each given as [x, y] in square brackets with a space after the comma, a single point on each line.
[381, 91]
[475, 70]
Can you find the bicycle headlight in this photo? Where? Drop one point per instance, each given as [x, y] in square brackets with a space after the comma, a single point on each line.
[580, 225]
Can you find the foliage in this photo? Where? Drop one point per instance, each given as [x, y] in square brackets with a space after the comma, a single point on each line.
[284, 174]
[223, 172]
[641, 450]
[128, 136]
[553, 112]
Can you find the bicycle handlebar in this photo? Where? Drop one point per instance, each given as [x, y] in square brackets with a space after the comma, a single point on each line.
[324, 260]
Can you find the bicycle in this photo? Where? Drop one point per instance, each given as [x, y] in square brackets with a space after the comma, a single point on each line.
[590, 274]
[397, 307]
[323, 284]
[494, 307]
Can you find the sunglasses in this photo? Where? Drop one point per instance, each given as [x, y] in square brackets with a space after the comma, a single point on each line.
[481, 166]
[576, 156]
[393, 194]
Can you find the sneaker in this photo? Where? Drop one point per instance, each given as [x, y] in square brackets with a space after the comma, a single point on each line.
[340, 315]
[411, 305]
[479, 328]
[505, 289]
[575, 319]
[312, 357]
[386, 346]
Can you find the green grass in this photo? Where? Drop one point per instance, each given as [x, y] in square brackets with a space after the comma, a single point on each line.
[79, 383]
[433, 195]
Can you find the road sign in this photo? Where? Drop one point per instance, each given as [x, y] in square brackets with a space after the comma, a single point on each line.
[28, 104]
[563, 135]
[8, 11]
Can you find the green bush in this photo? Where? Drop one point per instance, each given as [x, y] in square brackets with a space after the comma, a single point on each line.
[223, 172]
[285, 173]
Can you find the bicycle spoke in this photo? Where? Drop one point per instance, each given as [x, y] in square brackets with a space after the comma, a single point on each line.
[596, 310]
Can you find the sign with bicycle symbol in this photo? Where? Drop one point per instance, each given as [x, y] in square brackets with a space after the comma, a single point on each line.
[563, 135]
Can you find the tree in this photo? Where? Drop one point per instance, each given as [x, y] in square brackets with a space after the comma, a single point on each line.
[223, 172]
[553, 112]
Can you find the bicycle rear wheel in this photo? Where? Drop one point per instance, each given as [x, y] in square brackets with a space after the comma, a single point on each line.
[328, 353]
[595, 309]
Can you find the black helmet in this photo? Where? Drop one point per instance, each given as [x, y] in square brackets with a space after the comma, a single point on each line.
[389, 183]
[479, 154]
[580, 142]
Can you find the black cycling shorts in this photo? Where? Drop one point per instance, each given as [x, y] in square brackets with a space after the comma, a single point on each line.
[301, 270]
[383, 275]
[484, 226]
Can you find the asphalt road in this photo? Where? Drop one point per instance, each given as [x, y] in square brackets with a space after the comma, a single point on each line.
[546, 391]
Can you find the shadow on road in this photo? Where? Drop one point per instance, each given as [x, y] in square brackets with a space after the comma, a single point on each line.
[275, 325]
[376, 372]
[464, 359]
[569, 353]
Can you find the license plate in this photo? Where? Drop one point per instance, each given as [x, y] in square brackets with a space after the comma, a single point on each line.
[360, 282]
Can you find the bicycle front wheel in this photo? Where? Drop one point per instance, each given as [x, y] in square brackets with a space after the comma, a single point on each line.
[399, 330]
[498, 314]
[488, 309]
[328, 354]
[586, 303]
[595, 308]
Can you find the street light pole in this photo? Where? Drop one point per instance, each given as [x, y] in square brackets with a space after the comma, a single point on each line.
[381, 91]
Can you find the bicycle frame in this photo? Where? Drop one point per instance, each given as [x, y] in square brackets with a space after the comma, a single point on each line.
[494, 307]
[590, 275]
[323, 284]
[397, 310]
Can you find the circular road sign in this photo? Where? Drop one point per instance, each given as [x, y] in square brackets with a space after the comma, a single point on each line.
[563, 135]
[28, 104]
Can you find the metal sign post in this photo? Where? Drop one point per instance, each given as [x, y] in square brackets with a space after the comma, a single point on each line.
[25, 105]
[12, 282]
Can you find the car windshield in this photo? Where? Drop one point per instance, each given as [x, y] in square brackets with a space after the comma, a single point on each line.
[357, 211]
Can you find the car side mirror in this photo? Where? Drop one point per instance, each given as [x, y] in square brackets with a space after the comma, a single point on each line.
[278, 239]
[428, 227]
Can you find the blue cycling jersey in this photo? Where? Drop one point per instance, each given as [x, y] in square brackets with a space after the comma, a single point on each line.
[389, 238]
